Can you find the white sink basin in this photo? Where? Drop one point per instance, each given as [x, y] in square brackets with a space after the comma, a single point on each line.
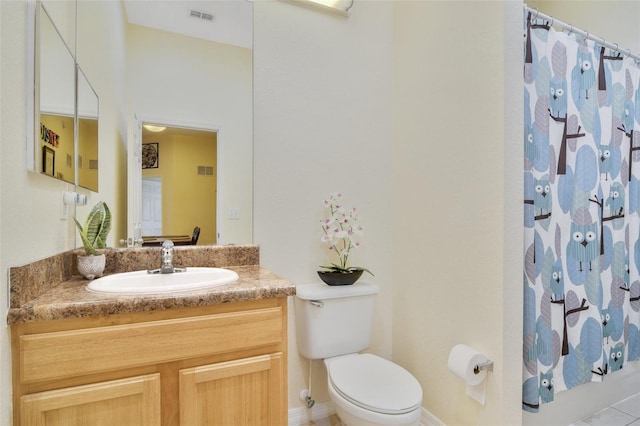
[142, 282]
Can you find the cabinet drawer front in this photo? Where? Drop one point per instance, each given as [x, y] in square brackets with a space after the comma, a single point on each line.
[62, 354]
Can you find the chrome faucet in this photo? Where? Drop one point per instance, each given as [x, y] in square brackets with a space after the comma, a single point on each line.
[167, 260]
[167, 257]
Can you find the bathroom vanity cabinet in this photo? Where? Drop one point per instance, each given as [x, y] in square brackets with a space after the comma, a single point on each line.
[222, 364]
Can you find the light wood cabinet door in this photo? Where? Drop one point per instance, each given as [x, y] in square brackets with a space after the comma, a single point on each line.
[248, 391]
[131, 401]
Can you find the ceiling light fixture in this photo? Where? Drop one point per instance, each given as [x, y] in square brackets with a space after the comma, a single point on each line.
[341, 7]
[154, 129]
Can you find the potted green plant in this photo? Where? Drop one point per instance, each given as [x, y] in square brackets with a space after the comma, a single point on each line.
[339, 231]
[94, 236]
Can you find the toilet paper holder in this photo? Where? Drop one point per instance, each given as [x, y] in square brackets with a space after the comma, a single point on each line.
[485, 365]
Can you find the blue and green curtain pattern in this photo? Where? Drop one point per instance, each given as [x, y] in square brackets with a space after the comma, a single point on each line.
[581, 212]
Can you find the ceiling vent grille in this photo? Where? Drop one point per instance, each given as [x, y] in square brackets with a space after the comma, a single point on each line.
[201, 15]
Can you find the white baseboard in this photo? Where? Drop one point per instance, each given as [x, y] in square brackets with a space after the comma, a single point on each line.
[302, 416]
[428, 419]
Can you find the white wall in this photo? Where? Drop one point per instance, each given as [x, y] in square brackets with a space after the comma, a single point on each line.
[30, 204]
[322, 91]
[193, 81]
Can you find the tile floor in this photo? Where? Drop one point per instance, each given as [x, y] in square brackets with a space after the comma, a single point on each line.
[626, 412]
[332, 420]
[623, 413]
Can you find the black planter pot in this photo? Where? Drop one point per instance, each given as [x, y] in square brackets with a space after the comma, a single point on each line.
[340, 278]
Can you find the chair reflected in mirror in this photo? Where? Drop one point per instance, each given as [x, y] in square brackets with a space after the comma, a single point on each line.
[195, 236]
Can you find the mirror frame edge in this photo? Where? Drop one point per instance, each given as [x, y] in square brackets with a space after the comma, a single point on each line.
[32, 83]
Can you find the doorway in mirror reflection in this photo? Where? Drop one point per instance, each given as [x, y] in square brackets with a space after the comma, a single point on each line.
[179, 191]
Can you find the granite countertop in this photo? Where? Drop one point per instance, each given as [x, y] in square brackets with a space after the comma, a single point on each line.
[69, 298]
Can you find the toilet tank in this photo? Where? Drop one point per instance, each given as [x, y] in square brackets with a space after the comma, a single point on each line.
[334, 320]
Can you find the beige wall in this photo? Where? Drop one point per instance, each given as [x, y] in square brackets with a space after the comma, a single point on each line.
[453, 125]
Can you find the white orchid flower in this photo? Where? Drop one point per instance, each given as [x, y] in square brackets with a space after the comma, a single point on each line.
[339, 230]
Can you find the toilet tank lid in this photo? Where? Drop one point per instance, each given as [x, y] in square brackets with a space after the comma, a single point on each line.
[321, 291]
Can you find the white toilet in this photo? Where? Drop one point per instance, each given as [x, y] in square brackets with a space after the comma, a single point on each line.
[334, 324]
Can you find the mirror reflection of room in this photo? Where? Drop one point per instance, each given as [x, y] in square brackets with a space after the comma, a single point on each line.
[201, 77]
[57, 103]
[179, 185]
[87, 161]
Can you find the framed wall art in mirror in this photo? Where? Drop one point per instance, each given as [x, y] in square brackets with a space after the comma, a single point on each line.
[150, 155]
[48, 161]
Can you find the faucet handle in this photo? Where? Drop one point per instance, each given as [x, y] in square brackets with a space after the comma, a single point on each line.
[167, 244]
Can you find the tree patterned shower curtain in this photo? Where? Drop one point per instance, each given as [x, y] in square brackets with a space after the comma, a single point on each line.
[581, 212]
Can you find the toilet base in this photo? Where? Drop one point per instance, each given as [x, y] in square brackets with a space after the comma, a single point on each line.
[352, 415]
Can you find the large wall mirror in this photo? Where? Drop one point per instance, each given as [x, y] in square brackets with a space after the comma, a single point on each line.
[65, 118]
[55, 103]
[192, 76]
[188, 63]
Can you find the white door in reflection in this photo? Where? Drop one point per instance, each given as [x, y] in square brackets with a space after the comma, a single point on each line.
[151, 206]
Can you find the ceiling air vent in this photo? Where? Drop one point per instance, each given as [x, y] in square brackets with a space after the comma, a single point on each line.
[201, 15]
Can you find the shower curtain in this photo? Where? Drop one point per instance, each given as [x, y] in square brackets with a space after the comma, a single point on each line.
[581, 212]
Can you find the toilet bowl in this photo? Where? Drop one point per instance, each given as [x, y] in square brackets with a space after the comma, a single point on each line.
[368, 390]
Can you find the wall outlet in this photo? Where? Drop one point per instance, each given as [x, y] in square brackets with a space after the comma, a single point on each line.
[234, 213]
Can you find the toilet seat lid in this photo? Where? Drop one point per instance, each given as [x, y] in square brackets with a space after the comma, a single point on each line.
[375, 384]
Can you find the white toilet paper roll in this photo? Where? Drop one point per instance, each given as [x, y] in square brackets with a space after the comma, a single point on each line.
[463, 360]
